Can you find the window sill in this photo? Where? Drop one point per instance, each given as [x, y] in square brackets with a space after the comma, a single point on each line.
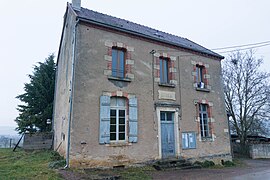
[167, 85]
[119, 79]
[207, 139]
[118, 144]
[188, 148]
[202, 89]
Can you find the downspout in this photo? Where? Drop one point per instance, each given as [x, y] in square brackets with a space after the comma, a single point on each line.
[153, 73]
[180, 91]
[180, 101]
[54, 101]
[71, 92]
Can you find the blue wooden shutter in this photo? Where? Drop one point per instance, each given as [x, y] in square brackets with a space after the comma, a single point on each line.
[192, 140]
[133, 120]
[184, 140]
[104, 126]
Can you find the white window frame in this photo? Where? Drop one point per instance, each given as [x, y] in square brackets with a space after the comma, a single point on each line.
[118, 108]
[202, 124]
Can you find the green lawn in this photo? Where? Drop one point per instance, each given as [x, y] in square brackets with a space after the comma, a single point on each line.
[26, 165]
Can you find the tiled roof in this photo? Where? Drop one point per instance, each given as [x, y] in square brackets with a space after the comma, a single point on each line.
[127, 26]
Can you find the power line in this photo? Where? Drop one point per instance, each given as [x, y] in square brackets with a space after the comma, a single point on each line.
[245, 48]
[230, 47]
[250, 46]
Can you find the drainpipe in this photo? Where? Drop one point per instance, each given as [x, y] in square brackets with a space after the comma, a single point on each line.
[71, 92]
[153, 73]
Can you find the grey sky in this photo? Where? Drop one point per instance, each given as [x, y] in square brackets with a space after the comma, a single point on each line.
[30, 31]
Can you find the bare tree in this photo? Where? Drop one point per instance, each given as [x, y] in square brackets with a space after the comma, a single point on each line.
[247, 93]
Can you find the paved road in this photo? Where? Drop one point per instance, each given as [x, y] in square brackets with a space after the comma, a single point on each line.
[254, 170]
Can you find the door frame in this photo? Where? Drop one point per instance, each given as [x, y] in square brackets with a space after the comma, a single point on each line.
[176, 130]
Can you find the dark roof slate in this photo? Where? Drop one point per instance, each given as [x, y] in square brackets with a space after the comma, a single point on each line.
[145, 31]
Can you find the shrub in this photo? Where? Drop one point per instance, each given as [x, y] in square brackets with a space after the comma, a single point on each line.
[207, 164]
[57, 164]
[228, 164]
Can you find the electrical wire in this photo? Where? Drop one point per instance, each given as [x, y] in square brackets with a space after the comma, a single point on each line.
[230, 47]
[244, 48]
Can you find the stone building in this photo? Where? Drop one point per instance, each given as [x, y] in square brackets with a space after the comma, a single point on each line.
[126, 93]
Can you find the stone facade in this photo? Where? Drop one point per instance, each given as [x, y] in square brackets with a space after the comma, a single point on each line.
[79, 91]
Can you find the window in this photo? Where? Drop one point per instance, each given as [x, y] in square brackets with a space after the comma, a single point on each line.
[204, 125]
[188, 140]
[199, 76]
[118, 119]
[118, 63]
[113, 120]
[164, 75]
[166, 116]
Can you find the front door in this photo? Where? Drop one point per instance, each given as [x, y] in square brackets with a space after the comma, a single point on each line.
[167, 134]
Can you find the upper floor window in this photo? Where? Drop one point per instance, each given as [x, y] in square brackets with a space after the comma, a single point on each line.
[164, 70]
[199, 76]
[204, 125]
[118, 63]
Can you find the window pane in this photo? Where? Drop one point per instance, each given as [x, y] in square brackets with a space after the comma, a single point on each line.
[121, 102]
[161, 70]
[112, 136]
[121, 136]
[121, 113]
[113, 128]
[163, 66]
[121, 63]
[169, 116]
[113, 101]
[201, 74]
[162, 116]
[114, 62]
[113, 120]
[113, 112]
[121, 120]
[202, 133]
[197, 74]
[165, 71]
[204, 107]
[121, 128]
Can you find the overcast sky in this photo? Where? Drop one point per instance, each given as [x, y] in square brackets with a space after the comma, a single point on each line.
[30, 31]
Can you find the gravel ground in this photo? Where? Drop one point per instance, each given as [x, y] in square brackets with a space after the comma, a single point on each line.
[254, 169]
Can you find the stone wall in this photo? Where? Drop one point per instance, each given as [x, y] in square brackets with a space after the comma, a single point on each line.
[38, 141]
[259, 151]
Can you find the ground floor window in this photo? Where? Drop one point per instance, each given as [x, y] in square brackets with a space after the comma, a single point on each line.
[115, 113]
[204, 125]
[117, 124]
[118, 119]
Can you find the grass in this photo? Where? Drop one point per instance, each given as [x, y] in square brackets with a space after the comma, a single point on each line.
[26, 165]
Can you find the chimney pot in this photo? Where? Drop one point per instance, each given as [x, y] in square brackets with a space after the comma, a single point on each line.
[76, 4]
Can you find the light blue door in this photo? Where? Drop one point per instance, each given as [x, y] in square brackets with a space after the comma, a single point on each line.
[167, 134]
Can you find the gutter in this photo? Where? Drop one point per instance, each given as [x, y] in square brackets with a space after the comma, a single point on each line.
[147, 36]
[71, 93]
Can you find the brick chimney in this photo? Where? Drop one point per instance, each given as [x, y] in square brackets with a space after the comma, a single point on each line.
[76, 4]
